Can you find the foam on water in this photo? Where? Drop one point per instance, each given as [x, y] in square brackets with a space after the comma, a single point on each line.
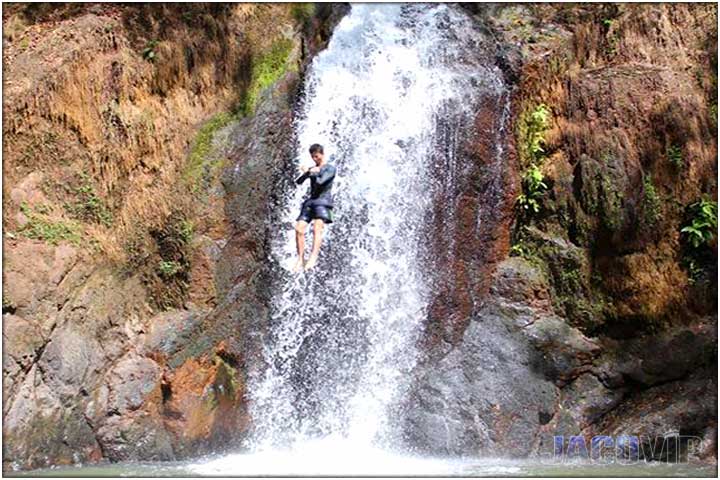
[332, 455]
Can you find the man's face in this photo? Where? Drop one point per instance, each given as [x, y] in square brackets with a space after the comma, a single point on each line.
[317, 158]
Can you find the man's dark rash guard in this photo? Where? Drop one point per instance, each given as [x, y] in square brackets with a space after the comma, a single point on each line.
[320, 185]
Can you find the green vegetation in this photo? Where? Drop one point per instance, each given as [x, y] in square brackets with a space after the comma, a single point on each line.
[88, 206]
[702, 223]
[533, 131]
[698, 232]
[173, 241]
[528, 251]
[612, 38]
[694, 270]
[533, 190]
[532, 138]
[186, 231]
[651, 202]
[612, 200]
[611, 48]
[199, 166]
[302, 12]
[519, 250]
[169, 268]
[266, 69]
[40, 227]
[148, 52]
[674, 155]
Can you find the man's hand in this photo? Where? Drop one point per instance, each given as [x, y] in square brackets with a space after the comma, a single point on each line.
[315, 170]
[303, 168]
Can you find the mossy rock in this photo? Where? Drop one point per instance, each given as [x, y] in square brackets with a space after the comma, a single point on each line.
[203, 163]
[568, 269]
[267, 68]
[601, 187]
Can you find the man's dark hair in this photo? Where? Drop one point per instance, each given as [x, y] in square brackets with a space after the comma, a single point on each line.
[316, 147]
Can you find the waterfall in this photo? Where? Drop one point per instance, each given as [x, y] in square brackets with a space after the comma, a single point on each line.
[390, 99]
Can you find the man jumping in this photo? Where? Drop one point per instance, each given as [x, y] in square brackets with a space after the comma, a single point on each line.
[316, 208]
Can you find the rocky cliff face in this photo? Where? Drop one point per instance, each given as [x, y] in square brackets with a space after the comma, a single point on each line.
[141, 146]
[602, 321]
[144, 147]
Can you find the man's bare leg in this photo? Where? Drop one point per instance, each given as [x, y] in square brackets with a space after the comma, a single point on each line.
[300, 228]
[318, 225]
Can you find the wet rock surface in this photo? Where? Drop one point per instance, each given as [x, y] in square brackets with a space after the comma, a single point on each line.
[595, 317]
[517, 336]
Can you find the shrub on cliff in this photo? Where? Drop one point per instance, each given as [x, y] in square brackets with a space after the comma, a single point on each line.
[702, 223]
[531, 135]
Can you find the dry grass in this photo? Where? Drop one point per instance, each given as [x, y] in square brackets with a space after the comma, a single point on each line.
[14, 27]
[126, 121]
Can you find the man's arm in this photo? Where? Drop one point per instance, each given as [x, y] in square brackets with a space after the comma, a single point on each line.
[305, 172]
[302, 177]
[324, 175]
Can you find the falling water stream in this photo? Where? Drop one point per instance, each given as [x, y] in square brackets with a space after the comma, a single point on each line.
[343, 338]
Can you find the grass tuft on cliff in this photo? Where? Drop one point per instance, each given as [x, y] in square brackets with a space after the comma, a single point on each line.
[302, 12]
[89, 206]
[41, 227]
[652, 207]
[199, 164]
[267, 69]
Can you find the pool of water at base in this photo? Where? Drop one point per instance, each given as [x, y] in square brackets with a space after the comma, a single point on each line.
[373, 464]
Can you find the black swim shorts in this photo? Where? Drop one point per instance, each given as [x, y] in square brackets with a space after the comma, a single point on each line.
[311, 210]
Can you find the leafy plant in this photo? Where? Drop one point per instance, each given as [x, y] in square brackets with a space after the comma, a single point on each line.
[694, 269]
[169, 268]
[532, 135]
[186, 231]
[538, 124]
[533, 189]
[612, 38]
[148, 52]
[39, 227]
[89, 206]
[674, 154]
[703, 223]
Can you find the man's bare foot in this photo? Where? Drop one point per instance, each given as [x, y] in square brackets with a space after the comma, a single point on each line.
[311, 262]
[298, 266]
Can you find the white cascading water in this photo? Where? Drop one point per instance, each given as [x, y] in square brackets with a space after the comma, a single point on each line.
[343, 338]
